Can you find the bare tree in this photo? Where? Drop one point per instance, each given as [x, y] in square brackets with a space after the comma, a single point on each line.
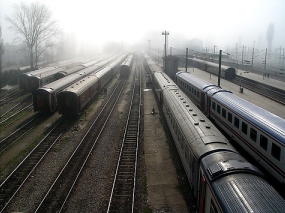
[33, 25]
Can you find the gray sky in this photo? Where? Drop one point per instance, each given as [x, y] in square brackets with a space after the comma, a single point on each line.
[220, 22]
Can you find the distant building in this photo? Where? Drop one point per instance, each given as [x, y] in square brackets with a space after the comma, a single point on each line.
[171, 65]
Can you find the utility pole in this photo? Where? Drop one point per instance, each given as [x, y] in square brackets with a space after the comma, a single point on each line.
[265, 61]
[165, 33]
[186, 60]
[242, 55]
[252, 58]
[220, 66]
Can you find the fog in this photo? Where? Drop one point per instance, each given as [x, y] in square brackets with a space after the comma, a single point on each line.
[215, 22]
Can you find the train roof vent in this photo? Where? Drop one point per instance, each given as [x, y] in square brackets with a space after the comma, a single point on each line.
[208, 127]
[194, 114]
[196, 123]
[229, 166]
[202, 120]
[190, 110]
[215, 170]
[187, 105]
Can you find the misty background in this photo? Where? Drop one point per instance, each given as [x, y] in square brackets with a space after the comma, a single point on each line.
[90, 26]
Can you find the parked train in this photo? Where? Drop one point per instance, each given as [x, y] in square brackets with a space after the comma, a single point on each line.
[259, 132]
[227, 73]
[125, 67]
[35, 79]
[28, 82]
[221, 179]
[74, 98]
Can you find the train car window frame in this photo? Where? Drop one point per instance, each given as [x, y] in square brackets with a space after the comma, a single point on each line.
[276, 151]
[244, 127]
[236, 122]
[214, 105]
[218, 108]
[198, 94]
[263, 142]
[253, 134]
[230, 117]
[224, 112]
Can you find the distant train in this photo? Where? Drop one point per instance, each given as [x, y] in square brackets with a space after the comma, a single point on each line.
[125, 67]
[221, 179]
[44, 98]
[34, 79]
[74, 98]
[228, 73]
[259, 132]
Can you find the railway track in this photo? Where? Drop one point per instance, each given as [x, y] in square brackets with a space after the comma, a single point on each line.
[16, 109]
[17, 178]
[122, 198]
[60, 190]
[12, 138]
[265, 90]
[9, 96]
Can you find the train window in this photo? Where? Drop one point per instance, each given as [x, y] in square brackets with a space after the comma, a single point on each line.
[244, 127]
[236, 122]
[218, 108]
[276, 151]
[230, 117]
[224, 113]
[198, 94]
[253, 134]
[263, 142]
[213, 105]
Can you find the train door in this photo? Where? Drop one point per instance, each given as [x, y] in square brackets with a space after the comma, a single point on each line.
[201, 193]
[207, 105]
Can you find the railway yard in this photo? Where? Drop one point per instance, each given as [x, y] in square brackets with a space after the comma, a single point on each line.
[113, 150]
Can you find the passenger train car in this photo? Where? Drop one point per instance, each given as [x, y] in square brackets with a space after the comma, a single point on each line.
[44, 98]
[221, 179]
[125, 67]
[227, 73]
[259, 132]
[74, 98]
[27, 84]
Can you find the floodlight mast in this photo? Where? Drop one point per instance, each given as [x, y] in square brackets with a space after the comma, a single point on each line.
[165, 33]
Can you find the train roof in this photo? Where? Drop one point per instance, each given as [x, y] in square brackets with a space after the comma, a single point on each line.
[194, 80]
[238, 185]
[71, 70]
[223, 67]
[80, 86]
[202, 136]
[262, 118]
[40, 71]
[48, 73]
[61, 83]
[164, 80]
[128, 61]
[247, 193]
